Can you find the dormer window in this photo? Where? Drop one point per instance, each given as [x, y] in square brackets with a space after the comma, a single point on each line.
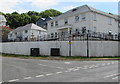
[74, 10]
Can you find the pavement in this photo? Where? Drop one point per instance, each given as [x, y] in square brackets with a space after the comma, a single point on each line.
[36, 70]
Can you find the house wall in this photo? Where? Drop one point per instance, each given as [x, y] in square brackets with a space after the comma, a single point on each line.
[28, 34]
[71, 21]
[79, 48]
[101, 23]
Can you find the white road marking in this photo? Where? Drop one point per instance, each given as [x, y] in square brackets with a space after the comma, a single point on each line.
[49, 74]
[43, 60]
[0, 82]
[39, 76]
[79, 67]
[110, 75]
[13, 80]
[51, 66]
[75, 69]
[85, 68]
[90, 67]
[71, 69]
[97, 64]
[115, 77]
[59, 67]
[113, 62]
[68, 71]
[42, 65]
[58, 72]
[103, 64]
[67, 62]
[27, 77]
[108, 63]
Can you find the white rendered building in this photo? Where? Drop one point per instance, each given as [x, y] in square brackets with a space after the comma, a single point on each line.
[2, 20]
[29, 32]
[83, 17]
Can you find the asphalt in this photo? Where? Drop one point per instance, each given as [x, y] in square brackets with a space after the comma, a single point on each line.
[36, 70]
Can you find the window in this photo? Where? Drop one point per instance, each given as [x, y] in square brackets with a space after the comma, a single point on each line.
[94, 29]
[94, 16]
[66, 21]
[83, 30]
[39, 32]
[109, 21]
[15, 33]
[10, 35]
[56, 34]
[26, 31]
[56, 23]
[110, 32]
[118, 25]
[51, 35]
[77, 31]
[76, 18]
[83, 17]
[52, 24]
[26, 38]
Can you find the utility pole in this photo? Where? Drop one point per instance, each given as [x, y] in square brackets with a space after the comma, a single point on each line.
[87, 45]
[69, 42]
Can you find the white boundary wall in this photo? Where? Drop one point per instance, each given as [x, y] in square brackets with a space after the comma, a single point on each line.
[79, 48]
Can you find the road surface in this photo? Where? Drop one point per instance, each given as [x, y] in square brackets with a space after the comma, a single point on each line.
[36, 70]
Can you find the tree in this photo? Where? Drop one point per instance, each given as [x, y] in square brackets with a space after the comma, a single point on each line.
[34, 19]
[50, 13]
[30, 13]
[15, 19]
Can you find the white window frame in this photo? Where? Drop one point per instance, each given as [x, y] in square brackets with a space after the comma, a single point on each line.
[77, 18]
[65, 21]
[52, 24]
[83, 17]
[56, 23]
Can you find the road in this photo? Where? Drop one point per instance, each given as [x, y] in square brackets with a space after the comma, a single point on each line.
[36, 70]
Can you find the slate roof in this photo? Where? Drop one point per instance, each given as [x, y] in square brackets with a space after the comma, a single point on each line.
[28, 27]
[71, 13]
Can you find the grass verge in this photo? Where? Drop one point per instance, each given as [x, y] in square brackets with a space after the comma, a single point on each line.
[62, 57]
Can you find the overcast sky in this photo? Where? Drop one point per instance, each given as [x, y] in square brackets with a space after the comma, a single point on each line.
[21, 6]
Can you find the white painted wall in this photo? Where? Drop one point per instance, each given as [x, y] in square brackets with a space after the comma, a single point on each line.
[29, 33]
[97, 48]
[101, 23]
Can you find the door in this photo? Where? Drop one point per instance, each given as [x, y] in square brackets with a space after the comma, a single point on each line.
[34, 52]
[55, 52]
